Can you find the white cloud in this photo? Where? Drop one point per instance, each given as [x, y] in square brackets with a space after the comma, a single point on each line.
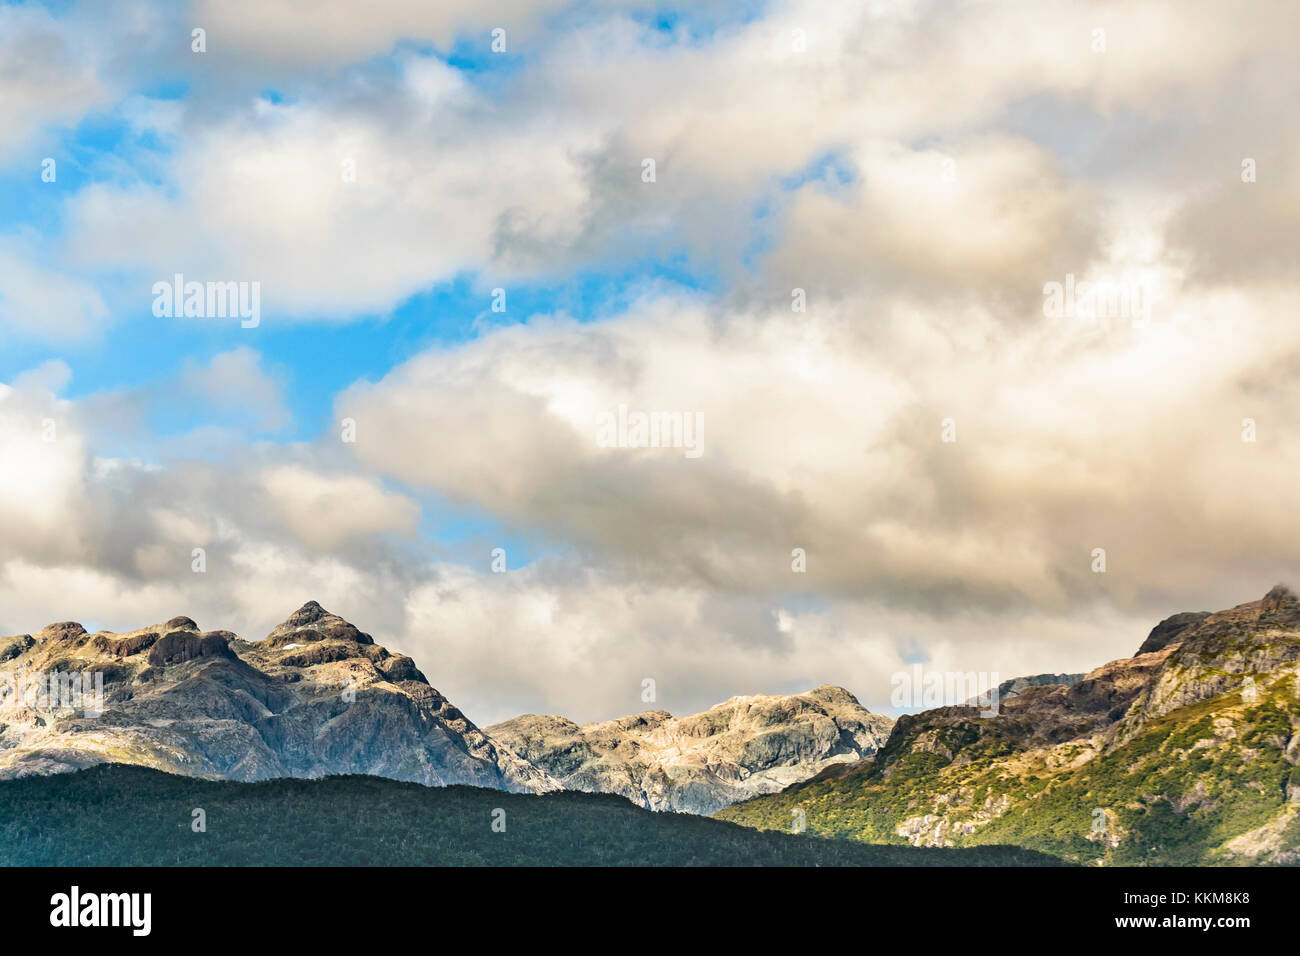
[824, 432]
[112, 540]
[236, 381]
[49, 76]
[326, 511]
[821, 429]
[543, 174]
[42, 485]
[40, 302]
[555, 638]
[334, 33]
[429, 201]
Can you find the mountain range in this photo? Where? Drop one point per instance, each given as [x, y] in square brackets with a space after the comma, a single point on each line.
[318, 697]
[1187, 752]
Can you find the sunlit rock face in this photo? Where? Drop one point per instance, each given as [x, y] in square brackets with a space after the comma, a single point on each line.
[315, 697]
[738, 749]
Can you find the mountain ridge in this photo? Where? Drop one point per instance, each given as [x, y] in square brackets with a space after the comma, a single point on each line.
[308, 700]
[318, 696]
[703, 761]
[1187, 752]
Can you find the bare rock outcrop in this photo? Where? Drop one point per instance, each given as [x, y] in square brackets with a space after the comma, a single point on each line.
[316, 697]
[738, 749]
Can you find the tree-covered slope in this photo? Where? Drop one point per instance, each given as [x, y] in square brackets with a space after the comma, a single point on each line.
[113, 815]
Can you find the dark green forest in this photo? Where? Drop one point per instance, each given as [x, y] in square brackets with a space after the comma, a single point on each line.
[116, 815]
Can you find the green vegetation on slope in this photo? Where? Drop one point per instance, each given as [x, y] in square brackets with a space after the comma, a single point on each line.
[1189, 784]
[132, 816]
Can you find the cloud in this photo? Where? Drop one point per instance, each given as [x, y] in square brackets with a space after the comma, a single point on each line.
[325, 512]
[556, 637]
[542, 173]
[37, 302]
[921, 170]
[993, 214]
[334, 34]
[825, 432]
[236, 381]
[1242, 231]
[428, 200]
[42, 486]
[50, 76]
[271, 523]
[51, 376]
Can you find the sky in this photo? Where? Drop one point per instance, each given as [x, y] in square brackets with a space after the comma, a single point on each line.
[850, 240]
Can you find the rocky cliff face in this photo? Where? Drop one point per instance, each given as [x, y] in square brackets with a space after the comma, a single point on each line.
[1188, 752]
[738, 749]
[316, 697]
[1213, 654]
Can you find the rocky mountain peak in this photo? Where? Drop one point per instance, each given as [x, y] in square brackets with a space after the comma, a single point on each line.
[309, 613]
[312, 623]
[317, 697]
[1170, 630]
[1280, 605]
[1279, 596]
[744, 746]
[1191, 747]
[830, 693]
[62, 631]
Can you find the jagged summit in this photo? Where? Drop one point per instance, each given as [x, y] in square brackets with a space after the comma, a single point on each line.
[61, 631]
[1190, 750]
[73, 633]
[1280, 606]
[745, 746]
[312, 623]
[1279, 597]
[307, 614]
[1169, 630]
